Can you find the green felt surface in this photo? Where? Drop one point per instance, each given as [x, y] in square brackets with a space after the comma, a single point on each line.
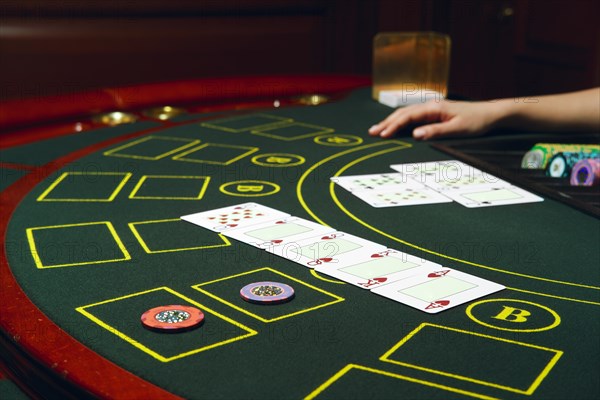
[10, 391]
[44, 151]
[103, 263]
[9, 176]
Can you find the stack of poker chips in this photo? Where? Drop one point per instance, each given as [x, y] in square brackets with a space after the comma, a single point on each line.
[559, 161]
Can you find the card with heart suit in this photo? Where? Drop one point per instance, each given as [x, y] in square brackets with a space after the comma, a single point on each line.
[488, 197]
[377, 269]
[401, 197]
[326, 249]
[234, 217]
[279, 232]
[388, 181]
[436, 290]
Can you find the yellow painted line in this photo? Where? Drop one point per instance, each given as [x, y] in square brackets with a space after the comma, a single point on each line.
[205, 180]
[400, 145]
[554, 324]
[115, 152]
[249, 150]
[336, 298]
[528, 391]
[111, 197]
[396, 239]
[138, 236]
[39, 263]
[349, 367]
[345, 210]
[147, 350]
[595, 303]
[316, 275]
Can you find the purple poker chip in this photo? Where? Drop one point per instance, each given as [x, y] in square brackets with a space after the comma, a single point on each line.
[586, 173]
[267, 292]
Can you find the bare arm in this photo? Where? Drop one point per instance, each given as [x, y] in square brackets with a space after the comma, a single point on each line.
[576, 111]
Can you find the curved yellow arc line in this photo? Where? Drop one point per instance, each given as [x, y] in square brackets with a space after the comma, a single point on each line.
[356, 219]
[326, 160]
[316, 275]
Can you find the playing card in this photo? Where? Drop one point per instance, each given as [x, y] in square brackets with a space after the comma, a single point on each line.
[326, 249]
[278, 232]
[463, 182]
[439, 289]
[232, 217]
[401, 197]
[487, 197]
[377, 269]
[375, 182]
[447, 170]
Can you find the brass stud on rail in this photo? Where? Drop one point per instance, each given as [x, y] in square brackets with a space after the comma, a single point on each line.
[163, 113]
[311, 99]
[115, 118]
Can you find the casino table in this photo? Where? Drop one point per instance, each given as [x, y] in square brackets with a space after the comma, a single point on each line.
[93, 185]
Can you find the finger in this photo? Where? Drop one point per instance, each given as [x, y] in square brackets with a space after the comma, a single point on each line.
[412, 115]
[376, 129]
[451, 127]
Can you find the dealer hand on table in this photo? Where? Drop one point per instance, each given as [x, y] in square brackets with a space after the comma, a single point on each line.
[575, 111]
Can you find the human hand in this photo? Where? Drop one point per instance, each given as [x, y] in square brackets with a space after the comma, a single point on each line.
[440, 118]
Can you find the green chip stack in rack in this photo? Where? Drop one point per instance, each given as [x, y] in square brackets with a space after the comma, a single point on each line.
[561, 164]
[539, 156]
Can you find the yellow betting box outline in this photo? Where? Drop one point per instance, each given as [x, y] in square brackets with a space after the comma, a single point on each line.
[276, 121]
[147, 249]
[414, 246]
[341, 373]
[316, 130]
[138, 345]
[337, 299]
[39, 264]
[114, 152]
[249, 150]
[527, 391]
[111, 196]
[205, 179]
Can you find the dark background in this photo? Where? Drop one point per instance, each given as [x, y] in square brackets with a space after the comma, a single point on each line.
[499, 47]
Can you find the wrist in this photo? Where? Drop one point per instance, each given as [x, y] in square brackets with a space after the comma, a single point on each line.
[504, 113]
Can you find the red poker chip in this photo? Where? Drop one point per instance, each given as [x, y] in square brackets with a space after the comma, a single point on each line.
[267, 292]
[172, 318]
